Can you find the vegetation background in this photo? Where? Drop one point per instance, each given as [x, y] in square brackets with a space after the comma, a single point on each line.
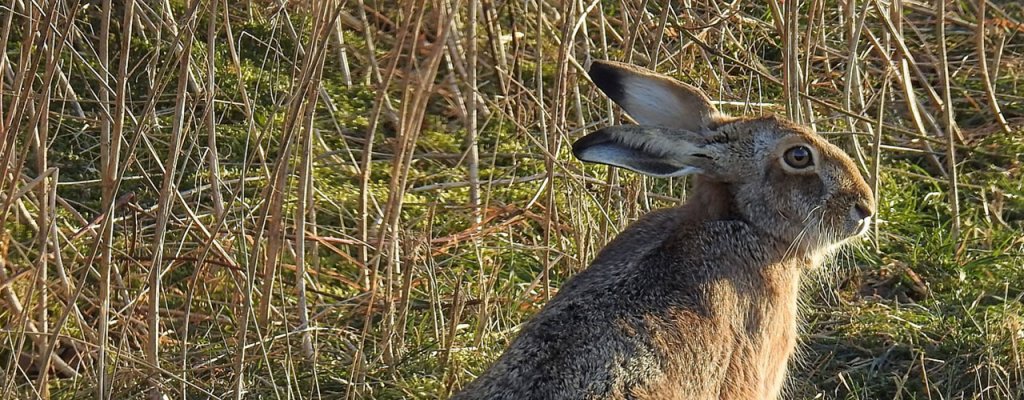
[365, 198]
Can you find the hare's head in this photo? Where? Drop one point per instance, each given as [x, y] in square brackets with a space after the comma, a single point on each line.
[780, 177]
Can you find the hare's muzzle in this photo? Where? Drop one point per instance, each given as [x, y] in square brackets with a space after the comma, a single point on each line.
[860, 217]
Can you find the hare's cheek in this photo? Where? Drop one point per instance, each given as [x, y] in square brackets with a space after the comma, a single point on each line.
[801, 192]
[808, 195]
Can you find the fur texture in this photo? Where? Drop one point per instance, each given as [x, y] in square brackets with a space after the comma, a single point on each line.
[697, 301]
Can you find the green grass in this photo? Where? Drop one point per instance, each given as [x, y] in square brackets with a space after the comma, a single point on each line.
[912, 318]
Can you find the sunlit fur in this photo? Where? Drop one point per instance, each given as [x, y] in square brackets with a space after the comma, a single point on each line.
[808, 210]
[700, 301]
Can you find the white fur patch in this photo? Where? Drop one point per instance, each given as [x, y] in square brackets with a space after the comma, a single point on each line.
[651, 103]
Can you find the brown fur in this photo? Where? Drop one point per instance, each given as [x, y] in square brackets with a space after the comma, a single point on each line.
[697, 301]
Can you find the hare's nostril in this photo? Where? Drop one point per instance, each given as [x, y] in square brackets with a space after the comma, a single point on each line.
[862, 211]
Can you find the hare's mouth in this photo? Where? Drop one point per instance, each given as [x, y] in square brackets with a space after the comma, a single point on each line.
[863, 226]
[846, 233]
[858, 227]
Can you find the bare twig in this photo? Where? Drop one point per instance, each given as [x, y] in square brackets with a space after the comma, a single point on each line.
[948, 122]
[986, 80]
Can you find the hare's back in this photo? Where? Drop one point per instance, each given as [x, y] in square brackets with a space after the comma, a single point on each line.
[585, 349]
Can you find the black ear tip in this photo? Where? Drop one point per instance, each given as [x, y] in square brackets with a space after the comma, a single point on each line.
[584, 143]
[599, 66]
[577, 150]
[607, 77]
[602, 71]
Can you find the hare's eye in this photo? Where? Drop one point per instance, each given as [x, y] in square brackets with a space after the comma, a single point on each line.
[798, 157]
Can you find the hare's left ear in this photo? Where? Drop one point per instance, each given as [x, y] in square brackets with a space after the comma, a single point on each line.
[654, 99]
[653, 151]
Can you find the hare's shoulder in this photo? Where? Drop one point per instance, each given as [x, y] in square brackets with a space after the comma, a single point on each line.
[674, 240]
[658, 269]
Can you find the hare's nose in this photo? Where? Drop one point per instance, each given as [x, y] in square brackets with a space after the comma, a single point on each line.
[862, 211]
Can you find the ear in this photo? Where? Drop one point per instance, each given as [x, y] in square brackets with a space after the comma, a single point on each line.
[654, 151]
[653, 99]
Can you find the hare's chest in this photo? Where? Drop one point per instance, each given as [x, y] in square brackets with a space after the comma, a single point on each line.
[773, 358]
[759, 358]
[775, 342]
[765, 327]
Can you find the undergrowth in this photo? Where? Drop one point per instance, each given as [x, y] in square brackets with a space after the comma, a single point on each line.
[340, 246]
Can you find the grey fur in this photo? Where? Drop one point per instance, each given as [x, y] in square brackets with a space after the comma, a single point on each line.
[697, 301]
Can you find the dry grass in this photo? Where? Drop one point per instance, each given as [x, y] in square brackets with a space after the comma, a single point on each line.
[364, 199]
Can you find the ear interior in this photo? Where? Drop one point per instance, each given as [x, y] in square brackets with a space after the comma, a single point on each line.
[653, 99]
[651, 151]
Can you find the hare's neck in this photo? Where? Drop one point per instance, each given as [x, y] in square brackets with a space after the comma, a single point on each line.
[710, 200]
[781, 282]
[777, 336]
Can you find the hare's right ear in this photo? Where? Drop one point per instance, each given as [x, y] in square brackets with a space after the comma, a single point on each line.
[653, 99]
[653, 151]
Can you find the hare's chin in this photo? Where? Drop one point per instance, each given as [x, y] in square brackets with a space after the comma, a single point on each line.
[853, 237]
[829, 243]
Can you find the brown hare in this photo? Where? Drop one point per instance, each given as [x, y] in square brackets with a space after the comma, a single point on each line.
[698, 301]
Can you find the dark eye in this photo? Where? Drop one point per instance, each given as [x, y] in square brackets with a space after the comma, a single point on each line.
[798, 157]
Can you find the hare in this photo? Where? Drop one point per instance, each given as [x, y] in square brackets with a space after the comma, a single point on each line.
[697, 301]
